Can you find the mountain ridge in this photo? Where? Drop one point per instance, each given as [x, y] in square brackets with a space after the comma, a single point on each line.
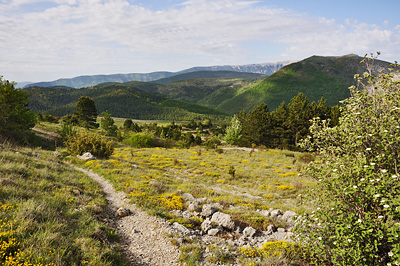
[92, 80]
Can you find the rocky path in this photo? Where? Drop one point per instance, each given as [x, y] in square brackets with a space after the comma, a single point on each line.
[144, 238]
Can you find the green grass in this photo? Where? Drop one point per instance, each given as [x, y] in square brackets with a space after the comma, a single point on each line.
[49, 213]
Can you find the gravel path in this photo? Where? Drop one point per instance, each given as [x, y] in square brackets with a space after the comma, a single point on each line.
[144, 237]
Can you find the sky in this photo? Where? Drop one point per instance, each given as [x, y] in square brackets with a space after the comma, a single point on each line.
[46, 40]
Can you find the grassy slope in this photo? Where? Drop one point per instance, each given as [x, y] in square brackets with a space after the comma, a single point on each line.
[49, 213]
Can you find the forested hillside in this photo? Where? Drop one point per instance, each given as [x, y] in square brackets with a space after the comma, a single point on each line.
[315, 77]
[122, 100]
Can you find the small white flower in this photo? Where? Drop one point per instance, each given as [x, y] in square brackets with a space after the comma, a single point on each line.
[380, 217]
[386, 206]
[377, 195]
[383, 170]
[359, 220]
[389, 264]
[368, 149]
[349, 240]
[390, 253]
[365, 166]
[394, 176]
[334, 170]
[334, 243]
[362, 179]
[378, 179]
[372, 164]
[319, 238]
[354, 186]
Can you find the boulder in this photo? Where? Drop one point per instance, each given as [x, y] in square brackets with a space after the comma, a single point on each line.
[276, 213]
[181, 229]
[208, 210]
[206, 225]
[213, 232]
[86, 156]
[249, 231]
[188, 196]
[288, 216]
[224, 220]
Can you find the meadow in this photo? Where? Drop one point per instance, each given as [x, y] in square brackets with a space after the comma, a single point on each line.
[156, 178]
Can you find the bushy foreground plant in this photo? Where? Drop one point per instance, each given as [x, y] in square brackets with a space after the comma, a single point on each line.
[89, 142]
[357, 221]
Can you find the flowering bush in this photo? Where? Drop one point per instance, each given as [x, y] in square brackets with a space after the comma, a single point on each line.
[357, 221]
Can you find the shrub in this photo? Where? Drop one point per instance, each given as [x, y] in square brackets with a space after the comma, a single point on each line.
[357, 221]
[140, 140]
[86, 142]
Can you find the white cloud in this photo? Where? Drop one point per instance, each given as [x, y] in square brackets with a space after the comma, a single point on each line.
[72, 37]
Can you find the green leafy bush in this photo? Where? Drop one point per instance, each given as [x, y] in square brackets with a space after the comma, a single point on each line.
[89, 142]
[140, 140]
[357, 219]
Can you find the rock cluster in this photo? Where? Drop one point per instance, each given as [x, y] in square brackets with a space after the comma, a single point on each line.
[216, 222]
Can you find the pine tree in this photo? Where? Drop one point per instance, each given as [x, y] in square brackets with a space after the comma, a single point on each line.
[107, 124]
[87, 112]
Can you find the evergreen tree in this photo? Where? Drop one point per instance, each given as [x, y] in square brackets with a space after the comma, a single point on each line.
[298, 118]
[280, 133]
[256, 126]
[14, 114]
[87, 112]
[107, 124]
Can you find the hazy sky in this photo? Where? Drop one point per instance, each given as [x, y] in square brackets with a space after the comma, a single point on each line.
[46, 40]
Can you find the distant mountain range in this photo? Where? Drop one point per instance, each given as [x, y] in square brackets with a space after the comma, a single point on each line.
[87, 81]
[185, 95]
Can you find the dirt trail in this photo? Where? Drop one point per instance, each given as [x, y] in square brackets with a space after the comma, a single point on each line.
[144, 237]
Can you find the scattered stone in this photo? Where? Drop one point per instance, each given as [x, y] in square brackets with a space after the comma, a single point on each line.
[135, 166]
[206, 225]
[281, 230]
[276, 213]
[288, 217]
[249, 232]
[181, 229]
[122, 212]
[76, 192]
[224, 220]
[213, 232]
[188, 196]
[86, 156]
[208, 210]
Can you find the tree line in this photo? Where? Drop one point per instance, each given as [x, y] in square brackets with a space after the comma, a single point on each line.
[281, 128]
